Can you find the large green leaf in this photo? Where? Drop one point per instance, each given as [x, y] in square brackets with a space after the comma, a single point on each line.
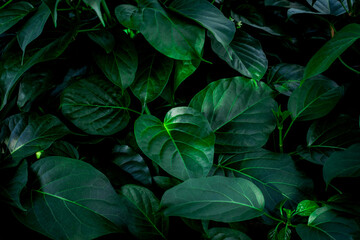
[214, 198]
[28, 134]
[327, 7]
[244, 54]
[328, 53]
[120, 65]
[74, 198]
[239, 111]
[152, 76]
[145, 221]
[314, 99]
[61, 148]
[96, 106]
[33, 27]
[11, 68]
[207, 15]
[170, 34]
[324, 224]
[219, 233]
[96, 6]
[343, 164]
[183, 145]
[52, 5]
[13, 14]
[104, 39]
[275, 174]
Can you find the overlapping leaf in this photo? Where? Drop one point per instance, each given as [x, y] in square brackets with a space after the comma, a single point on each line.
[182, 145]
[219, 233]
[53, 5]
[13, 14]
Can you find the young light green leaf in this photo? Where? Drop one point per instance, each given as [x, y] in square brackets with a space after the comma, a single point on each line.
[183, 69]
[74, 198]
[104, 39]
[95, 5]
[152, 76]
[208, 16]
[328, 53]
[145, 221]
[219, 233]
[273, 173]
[52, 5]
[13, 14]
[28, 134]
[314, 99]
[306, 207]
[244, 54]
[96, 106]
[185, 136]
[343, 164]
[214, 198]
[324, 224]
[120, 65]
[239, 111]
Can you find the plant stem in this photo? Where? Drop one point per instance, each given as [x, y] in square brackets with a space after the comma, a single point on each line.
[5, 4]
[106, 9]
[342, 61]
[277, 219]
[281, 139]
[288, 129]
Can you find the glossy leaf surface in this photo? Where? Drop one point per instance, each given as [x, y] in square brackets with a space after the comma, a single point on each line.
[13, 14]
[226, 233]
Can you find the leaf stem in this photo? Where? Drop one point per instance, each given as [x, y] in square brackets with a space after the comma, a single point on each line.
[278, 220]
[281, 145]
[288, 129]
[5, 4]
[347, 66]
[106, 9]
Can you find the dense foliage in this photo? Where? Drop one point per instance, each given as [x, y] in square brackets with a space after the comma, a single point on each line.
[171, 119]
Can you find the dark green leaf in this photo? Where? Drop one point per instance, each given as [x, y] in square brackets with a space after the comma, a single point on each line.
[166, 182]
[74, 198]
[53, 5]
[28, 134]
[185, 136]
[306, 207]
[219, 233]
[285, 4]
[13, 14]
[61, 148]
[317, 155]
[283, 234]
[323, 7]
[343, 164]
[183, 69]
[172, 35]
[344, 203]
[104, 39]
[120, 65]
[239, 111]
[11, 68]
[273, 173]
[95, 5]
[208, 16]
[214, 198]
[33, 27]
[324, 224]
[152, 76]
[145, 221]
[132, 163]
[314, 99]
[96, 106]
[328, 53]
[244, 54]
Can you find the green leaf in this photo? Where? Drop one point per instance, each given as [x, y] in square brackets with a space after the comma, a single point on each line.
[324, 224]
[52, 5]
[28, 134]
[96, 106]
[183, 69]
[208, 16]
[172, 35]
[152, 76]
[346, 203]
[323, 7]
[13, 14]
[283, 234]
[328, 53]
[185, 136]
[144, 221]
[214, 198]
[273, 173]
[221, 233]
[61, 148]
[120, 65]
[244, 54]
[343, 164]
[285, 4]
[104, 39]
[11, 68]
[95, 5]
[306, 207]
[166, 182]
[314, 99]
[239, 111]
[132, 163]
[74, 198]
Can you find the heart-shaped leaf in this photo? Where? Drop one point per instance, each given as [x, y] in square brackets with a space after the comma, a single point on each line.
[183, 69]
[96, 106]
[306, 207]
[95, 5]
[13, 14]
[239, 111]
[214, 198]
[185, 136]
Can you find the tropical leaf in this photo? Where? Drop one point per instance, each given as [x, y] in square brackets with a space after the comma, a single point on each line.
[104, 39]
[183, 69]
[13, 14]
[219, 233]
[52, 5]
[95, 5]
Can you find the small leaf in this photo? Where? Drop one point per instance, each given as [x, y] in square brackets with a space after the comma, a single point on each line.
[13, 14]
[53, 5]
[244, 54]
[306, 207]
[28, 134]
[314, 99]
[328, 53]
[220, 233]
[343, 164]
[145, 221]
[214, 198]
[104, 39]
[183, 69]
[95, 5]
[185, 135]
